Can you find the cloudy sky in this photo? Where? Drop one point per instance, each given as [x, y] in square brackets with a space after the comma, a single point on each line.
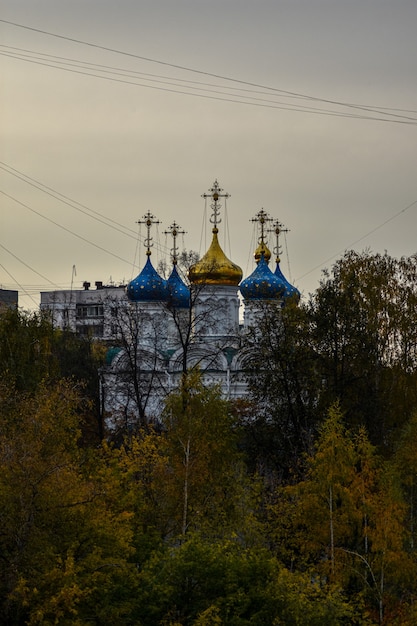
[305, 108]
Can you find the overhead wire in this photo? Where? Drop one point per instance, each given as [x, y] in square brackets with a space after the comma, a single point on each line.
[18, 284]
[249, 100]
[68, 230]
[235, 100]
[390, 219]
[32, 269]
[68, 201]
[389, 117]
[82, 208]
[207, 86]
[152, 76]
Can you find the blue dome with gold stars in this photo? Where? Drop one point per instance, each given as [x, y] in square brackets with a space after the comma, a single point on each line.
[289, 291]
[148, 286]
[262, 284]
[179, 293]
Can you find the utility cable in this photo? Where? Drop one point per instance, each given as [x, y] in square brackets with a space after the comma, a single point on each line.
[18, 284]
[250, 100]
[390, 219]
[65, 199]
[30, 267]
[188, 69]
[70, 202]
[89, 67]
[150, 76]
[63, 227]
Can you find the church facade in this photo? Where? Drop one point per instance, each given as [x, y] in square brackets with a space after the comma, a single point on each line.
[168, 327]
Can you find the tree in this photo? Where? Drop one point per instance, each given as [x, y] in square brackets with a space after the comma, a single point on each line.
[26, 349]
[32, 351]
[64, 545]
[364, 332]
[134, 381]
[284, 385]
[206, 582]
[344, 522]
[207, 475]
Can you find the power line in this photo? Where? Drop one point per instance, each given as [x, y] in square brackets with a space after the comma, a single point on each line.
[39, 57]
[71, 232]
[66, 200]
[18, 284]
[29, 267]
[250, 101]
[72, 203]
[358, 240]
[221, 77]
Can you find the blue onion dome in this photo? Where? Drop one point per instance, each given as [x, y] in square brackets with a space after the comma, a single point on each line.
[290, 290]
[148, 286]
[262, 284]
[179, 293]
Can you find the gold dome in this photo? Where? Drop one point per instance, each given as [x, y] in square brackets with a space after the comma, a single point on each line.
[215, 268]
[262, 249]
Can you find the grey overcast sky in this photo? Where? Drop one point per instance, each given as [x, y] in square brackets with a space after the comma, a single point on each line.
[94, 136]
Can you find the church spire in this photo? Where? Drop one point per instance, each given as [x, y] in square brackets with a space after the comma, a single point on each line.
[262, 218]
[278, 229]
[215, 194]
[148, 220]
[214, 268]
[174, 231]
[148, 285]
[289, 290]
[179, 293]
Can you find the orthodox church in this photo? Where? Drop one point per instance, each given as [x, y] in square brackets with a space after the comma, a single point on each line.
[169, 326]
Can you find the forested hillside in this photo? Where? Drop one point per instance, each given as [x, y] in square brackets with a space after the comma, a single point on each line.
[295, 506]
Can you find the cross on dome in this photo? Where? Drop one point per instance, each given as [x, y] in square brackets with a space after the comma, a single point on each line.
[174, 232]
[262, 218]
[278, 229]
[215, 193]
[148, 219]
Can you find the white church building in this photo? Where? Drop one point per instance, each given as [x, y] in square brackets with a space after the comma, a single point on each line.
[165, 328]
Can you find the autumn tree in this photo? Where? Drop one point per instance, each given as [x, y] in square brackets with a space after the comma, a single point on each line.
[217, 581]
[27, 352]
[207, 483]
[64, 544]
[364, 333]
[345, 522]
[284, 386]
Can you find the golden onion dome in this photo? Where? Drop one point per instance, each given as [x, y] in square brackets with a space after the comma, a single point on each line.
[262, 249]
[214, 268]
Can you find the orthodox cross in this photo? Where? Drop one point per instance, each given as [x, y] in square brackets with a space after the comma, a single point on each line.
[148, 220]
[262, 218]
[278, 229]
[174, 231]
[215, 193]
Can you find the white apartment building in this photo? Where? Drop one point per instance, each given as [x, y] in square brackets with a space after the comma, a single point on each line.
[87, 312]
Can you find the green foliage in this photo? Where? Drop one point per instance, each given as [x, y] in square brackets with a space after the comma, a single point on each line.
[26, 355]
[170, 528]
[65, 547]
[284, 384]
[346, 519]
[32, 352]
[364, 327]
[219, 582]
[201, 447]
